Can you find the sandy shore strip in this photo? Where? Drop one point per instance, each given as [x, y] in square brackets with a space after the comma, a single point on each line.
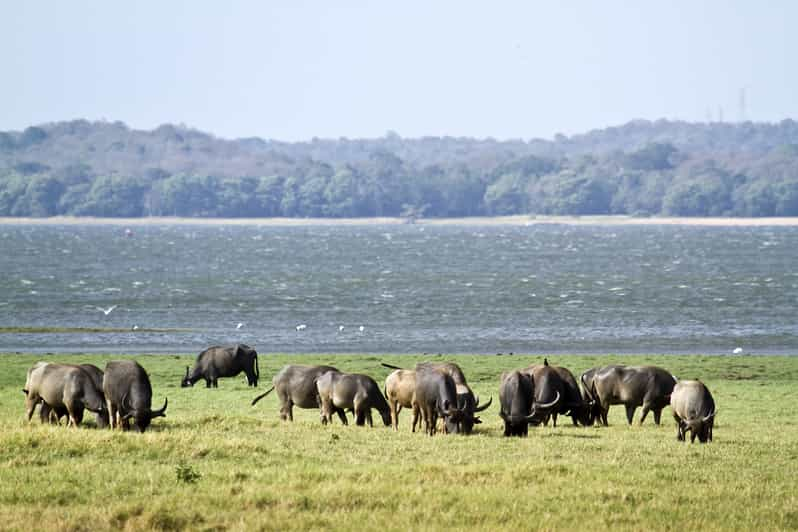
[519, 220]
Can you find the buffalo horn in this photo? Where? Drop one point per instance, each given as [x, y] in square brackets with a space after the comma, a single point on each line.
[544, 406]
[485, 406]
[710, 416]
[162, 411]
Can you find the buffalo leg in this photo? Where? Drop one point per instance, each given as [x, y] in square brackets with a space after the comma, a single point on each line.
[554, 420]
[342, 416]
[30, 406]
[657, 415]
[368, 417]
[416, 414]
[679, 434]
[111, 414]
[630, 413]
[394, 414]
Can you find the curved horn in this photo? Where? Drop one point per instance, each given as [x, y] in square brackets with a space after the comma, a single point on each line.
[390, 366]
[186, 371]
[710, 416]
[544, 406]
[485, 406]
[261, 396]
[162, 411]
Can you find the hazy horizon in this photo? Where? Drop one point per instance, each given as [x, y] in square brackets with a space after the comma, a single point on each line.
[304, 70]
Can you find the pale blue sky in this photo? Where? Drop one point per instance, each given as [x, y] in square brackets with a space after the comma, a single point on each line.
[294, 70]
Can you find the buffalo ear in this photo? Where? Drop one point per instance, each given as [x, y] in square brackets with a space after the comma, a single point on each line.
[477, 421]
[24, 391]
[186, 371]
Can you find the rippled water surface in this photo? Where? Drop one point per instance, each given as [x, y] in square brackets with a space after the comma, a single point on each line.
[471, 289]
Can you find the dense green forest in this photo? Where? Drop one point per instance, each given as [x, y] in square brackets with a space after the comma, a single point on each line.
[641, 168]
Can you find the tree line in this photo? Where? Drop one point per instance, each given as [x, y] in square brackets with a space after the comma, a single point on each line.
[642, 168]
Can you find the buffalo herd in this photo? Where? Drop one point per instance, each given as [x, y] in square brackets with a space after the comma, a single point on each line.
[432, 391]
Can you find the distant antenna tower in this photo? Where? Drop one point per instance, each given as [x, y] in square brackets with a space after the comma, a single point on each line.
[742, 116]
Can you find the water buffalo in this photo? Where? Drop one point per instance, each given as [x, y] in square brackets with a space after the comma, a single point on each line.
[48, 414]
[516, 400]
[62, 388]
[359, 393]
[632, 386]
[400, 390]
[549, 392]
[553, 380]
[693, 410]
[436, 395]
[296, 385]
[586, 380]
[128, 393]
[219, 361]
[467, 402]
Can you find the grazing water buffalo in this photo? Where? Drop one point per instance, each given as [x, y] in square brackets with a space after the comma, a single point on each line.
[400, 390]
[128, 393]
[631, 386]
[694, 410]
[549, 391]
[296, 385]
[47, 414]
[516, 402]
[62, 388]
[551, 380]
[467, 402]
[219, 361]
[436, 395]
[359, 393]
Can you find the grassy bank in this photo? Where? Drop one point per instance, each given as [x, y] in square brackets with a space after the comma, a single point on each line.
[216, 463]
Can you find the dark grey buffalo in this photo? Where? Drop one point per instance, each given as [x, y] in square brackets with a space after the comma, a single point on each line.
[128, 393]
[436, 395]
[467, 402]
[296, 386]
[62, 388]
[588, 396]
[48, 414]
[516, 402]
[219, 361]
[553, 381]
[359, 393]
[694, 410]
[631, 386]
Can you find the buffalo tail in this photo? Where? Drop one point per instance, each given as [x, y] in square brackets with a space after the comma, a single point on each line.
[261, 396]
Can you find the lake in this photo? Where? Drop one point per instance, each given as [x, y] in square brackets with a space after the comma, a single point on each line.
[402, 288]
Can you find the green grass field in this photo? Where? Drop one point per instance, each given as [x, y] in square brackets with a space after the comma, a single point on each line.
[217, 463]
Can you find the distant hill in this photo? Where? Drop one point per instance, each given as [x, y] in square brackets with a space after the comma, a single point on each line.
[640, 168]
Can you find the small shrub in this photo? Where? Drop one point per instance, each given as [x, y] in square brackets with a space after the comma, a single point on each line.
[187, 474]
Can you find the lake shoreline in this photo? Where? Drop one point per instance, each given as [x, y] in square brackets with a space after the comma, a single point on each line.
[517, 220]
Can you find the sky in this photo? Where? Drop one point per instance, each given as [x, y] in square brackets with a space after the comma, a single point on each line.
[295, 70]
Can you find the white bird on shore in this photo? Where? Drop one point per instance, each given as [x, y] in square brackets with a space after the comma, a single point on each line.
[737, 350]
[239, 326]
[361, 328]
[108, 310]
[301, 327]
[340, 328]
[135, 328]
